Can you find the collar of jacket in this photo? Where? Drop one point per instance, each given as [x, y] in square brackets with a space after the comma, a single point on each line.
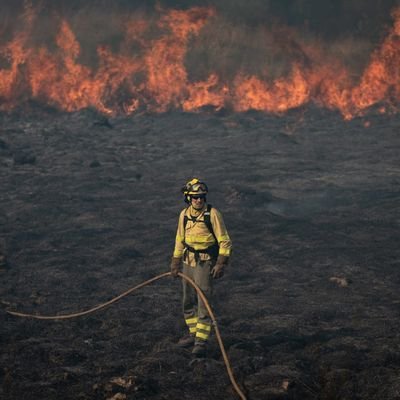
[195, 213]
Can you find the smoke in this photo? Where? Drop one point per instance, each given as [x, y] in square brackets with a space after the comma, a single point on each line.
[329, 19]
[242, 29]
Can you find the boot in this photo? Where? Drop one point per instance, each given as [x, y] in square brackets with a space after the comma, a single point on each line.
[199, 350]
[186, 341]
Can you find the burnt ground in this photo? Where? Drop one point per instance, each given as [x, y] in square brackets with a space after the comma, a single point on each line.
[309, 308]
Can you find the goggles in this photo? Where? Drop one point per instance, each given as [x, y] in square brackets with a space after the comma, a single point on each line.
[198, 196]
[198, 187]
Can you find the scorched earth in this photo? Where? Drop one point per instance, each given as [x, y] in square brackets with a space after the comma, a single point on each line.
[308, 308]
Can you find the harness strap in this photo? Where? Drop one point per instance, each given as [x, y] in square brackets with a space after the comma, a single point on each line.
[211, 251]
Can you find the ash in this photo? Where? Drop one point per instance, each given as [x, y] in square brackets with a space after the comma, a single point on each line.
[309, 308]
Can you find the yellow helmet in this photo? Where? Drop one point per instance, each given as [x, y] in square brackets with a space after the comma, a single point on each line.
[194, 187]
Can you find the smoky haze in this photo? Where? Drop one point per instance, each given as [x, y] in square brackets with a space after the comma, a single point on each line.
[264, 39]
[331, 19]
[327, 18]
[250, 29]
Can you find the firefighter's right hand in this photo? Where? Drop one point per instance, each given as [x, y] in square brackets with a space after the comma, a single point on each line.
[175, 266]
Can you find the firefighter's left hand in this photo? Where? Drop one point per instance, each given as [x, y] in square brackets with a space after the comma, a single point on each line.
[218, 271]
[219, 268]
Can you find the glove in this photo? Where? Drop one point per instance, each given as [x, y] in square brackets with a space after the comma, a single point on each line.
[219, 267]
[175, 266]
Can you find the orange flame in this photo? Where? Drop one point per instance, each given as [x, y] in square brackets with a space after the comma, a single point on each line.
[381, 79]
[16, 55]
[167, 81]
[280, 96]
[156, 77]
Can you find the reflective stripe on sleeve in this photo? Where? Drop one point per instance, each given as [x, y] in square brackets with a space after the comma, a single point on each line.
[224, 252]
[178, 253]
[223, 238]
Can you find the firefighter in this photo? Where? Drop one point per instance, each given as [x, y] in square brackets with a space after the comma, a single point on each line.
[202, 250]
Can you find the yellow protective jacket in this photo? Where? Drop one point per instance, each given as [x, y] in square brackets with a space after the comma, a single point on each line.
[198, 236]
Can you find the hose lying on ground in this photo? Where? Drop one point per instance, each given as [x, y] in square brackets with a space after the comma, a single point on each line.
[129, 291]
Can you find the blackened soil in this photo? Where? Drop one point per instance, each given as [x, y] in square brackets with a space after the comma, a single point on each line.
[309, 308]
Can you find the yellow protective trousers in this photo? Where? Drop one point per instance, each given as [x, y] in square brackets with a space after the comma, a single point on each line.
[195, 313]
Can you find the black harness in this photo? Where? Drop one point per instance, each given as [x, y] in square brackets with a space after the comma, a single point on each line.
[212, 250]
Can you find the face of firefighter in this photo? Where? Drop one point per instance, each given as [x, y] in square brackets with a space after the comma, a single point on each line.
[197, 202]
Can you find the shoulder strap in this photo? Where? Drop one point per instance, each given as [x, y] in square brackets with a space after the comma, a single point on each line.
[185, 220]
[207, 221]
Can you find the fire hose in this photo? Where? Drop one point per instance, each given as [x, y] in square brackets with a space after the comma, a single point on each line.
[129, 291]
